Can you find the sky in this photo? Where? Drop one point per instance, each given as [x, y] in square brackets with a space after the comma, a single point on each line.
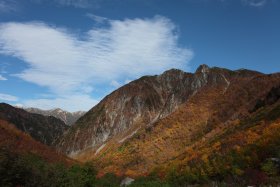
[70, 54]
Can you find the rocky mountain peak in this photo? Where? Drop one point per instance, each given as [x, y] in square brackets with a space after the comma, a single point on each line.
[172, 71]
[203, 68]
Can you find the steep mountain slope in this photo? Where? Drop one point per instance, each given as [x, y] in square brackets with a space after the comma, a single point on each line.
[69, 118]
[215, 116]
[41, 128]
[140, 104]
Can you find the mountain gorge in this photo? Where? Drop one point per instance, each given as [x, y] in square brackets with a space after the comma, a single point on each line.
[159, 122]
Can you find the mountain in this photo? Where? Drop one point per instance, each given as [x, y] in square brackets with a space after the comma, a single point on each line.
[140, 104]
[212, 122]
[45, 129]
[69, 118]
[182, 122]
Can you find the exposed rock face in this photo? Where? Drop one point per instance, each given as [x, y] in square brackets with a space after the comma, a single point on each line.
[140, 104]
[69, 118]
[45, 129]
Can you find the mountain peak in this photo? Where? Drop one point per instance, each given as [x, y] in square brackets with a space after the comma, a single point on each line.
[173, 70]
[203, 68]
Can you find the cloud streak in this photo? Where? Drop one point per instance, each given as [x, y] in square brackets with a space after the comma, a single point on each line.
[97, 19]
[255, 3]
[8, 6]
[7, 97]
[74, 63]
[2, 78]
[75, 3]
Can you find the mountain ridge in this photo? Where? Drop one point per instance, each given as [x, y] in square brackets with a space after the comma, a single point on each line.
[69, 118]
[150, 97]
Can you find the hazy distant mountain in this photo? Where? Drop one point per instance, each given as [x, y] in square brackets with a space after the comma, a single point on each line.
[69, 118]
[181, 121]
[45, 129]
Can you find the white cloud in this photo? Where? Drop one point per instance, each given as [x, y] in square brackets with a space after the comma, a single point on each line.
[8, 6]
[2, 78]
[7, 97]
[97, 19]
[115, 84]
[18, 105]
[127, 81]
[71, 103]
[255, 3]
[72, 64]
[75, 3]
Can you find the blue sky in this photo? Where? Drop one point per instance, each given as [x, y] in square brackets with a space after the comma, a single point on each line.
[70, 54]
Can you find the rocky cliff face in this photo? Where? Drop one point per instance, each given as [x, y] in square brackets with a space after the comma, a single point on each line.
[45, 129]
[69, 118]
[140, 104]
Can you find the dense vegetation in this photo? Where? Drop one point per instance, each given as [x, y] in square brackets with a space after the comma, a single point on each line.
[247, 153]
[32, 170]
[254, 165]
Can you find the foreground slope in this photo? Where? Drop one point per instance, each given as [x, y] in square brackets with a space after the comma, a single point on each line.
[27, 162]
[45, 129]
[18, 142]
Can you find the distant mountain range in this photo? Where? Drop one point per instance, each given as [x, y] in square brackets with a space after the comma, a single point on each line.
[69, 118]
[175, 120]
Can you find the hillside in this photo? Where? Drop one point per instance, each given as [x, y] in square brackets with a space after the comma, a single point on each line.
[27, 162]
[45, 129]
[179, 121]
[205, 118]
[16, 141]
[140, 104]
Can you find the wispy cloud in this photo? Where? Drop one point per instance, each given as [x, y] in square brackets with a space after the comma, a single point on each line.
[255, 3]
[115, 84]
[2, 78]
[76, 3]
[8, 6]
[71, 3]
[97, 19]
[7, 97]
[73, 64]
